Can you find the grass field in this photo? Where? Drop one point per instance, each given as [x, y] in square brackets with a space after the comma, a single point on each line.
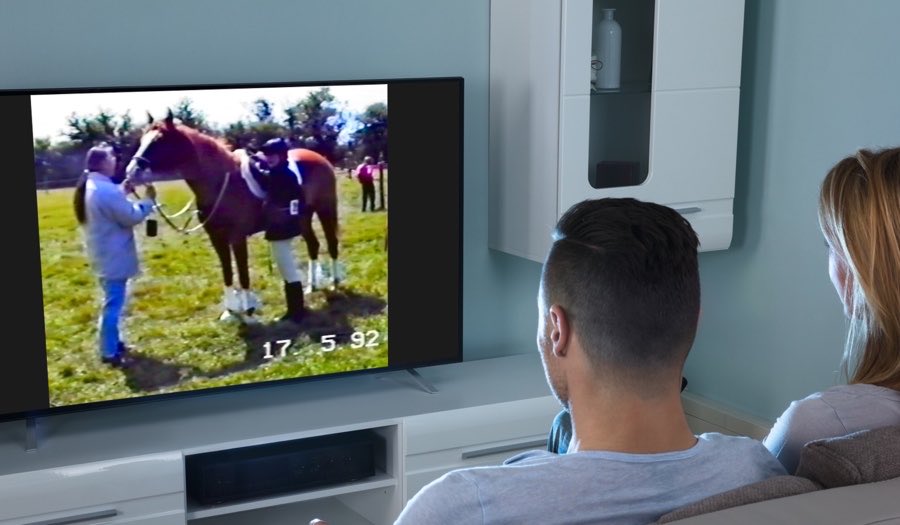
[171, 320]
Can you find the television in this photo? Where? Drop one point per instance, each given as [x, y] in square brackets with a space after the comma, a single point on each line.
[203, 311]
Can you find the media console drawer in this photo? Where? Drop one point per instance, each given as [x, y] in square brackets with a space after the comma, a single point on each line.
[478, 425]
[439, 442]
[143, 485]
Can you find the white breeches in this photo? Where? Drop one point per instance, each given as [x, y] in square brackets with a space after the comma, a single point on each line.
[283, 252]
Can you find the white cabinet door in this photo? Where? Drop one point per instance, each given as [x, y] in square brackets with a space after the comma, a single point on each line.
[698, 44]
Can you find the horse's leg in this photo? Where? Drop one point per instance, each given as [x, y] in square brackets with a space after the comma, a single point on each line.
[249, 300]
[239, 247]
[312, 249]
[223, 250]
[329, 221]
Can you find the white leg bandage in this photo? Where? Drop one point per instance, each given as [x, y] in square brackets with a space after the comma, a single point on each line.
[283, 252]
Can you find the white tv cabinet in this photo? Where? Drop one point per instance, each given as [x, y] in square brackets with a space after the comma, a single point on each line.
[126, 464]
[667, 135]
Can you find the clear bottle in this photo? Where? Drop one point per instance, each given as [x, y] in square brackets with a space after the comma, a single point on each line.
[608, 51]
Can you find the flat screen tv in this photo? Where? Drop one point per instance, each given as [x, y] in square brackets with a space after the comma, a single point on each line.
[219, 260]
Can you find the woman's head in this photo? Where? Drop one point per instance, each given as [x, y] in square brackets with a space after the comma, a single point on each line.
[100, 159]
[859, 213]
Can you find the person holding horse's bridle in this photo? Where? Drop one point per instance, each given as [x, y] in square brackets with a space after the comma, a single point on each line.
[108, 218]
[284, 206]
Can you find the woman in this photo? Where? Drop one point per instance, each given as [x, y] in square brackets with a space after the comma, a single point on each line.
[859, 213]
[365, 174]
[285, 205]
[108, 219]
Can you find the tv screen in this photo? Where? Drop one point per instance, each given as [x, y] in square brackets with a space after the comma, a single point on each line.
[187, 238]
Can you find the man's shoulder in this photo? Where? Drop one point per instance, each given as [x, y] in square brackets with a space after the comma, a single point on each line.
[716, 441]
[739, 452]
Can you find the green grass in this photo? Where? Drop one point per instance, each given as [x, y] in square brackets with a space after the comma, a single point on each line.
[171, 319]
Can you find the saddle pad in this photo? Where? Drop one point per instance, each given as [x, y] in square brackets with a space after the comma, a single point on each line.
[246, 174]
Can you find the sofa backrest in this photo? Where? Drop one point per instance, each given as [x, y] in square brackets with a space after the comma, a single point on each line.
[868, 456]
[861, 457]
[777, 487]
[866, 504]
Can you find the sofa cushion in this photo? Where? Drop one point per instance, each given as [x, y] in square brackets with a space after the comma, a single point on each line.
[861, 457]
[777, 487]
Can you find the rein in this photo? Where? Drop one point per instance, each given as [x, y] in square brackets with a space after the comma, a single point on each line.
[184, 229]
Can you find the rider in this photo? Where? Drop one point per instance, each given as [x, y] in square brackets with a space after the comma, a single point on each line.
[284, 206]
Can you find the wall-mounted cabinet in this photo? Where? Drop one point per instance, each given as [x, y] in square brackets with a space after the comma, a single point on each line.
[667, 133]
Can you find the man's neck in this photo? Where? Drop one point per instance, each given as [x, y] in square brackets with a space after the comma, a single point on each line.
[623, 422]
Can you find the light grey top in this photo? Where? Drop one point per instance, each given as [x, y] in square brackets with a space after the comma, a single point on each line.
[593, 486]
[835, 412]
[109, 234]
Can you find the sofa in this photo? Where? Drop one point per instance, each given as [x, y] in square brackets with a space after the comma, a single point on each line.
[847, 480]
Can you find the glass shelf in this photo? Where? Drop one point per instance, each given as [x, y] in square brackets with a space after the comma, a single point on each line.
[619, 133]
[633, 88]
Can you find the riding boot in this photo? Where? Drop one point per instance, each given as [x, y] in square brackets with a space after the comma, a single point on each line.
[293, 296]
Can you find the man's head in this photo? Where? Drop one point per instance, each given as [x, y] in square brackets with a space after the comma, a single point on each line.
[619, 298]
[368, 160]
[276, 151]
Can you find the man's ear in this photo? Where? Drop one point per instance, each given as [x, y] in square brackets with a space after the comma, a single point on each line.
[560, 332]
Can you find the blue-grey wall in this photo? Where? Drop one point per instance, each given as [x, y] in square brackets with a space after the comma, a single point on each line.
[60, 43]
[820, 79]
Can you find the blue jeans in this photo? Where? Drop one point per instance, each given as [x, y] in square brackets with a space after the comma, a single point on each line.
[113, 304]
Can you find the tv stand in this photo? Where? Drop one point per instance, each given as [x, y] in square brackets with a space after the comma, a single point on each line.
[423, 383]
[487, 411]
[31, 434]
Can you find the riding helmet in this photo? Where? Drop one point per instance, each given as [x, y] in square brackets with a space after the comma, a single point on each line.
[276, 145]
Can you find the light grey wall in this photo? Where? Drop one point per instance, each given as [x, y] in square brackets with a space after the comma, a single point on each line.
[820, 79]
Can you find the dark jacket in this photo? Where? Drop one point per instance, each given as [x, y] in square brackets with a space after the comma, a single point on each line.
[285, 201]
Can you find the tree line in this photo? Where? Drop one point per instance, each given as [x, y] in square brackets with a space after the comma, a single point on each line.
[315, 123]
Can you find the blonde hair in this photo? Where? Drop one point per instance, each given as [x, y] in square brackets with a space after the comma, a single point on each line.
[859, 213]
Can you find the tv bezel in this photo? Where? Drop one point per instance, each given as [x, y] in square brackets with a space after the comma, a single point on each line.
[153, 398]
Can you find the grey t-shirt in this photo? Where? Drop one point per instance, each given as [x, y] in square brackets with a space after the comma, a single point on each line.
[838, 411]
[591, 487]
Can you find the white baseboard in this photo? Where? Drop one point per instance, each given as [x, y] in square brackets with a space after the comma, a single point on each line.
[708, 416]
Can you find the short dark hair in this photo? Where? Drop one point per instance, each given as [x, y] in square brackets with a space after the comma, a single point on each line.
[625, 272]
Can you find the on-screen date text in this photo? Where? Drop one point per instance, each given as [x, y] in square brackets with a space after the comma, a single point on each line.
[367, 339]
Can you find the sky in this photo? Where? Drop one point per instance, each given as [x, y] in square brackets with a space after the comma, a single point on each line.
[49, 113]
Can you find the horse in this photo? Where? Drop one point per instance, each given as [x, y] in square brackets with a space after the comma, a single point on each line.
[227, 207]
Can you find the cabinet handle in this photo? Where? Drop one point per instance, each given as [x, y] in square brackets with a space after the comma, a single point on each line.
[77, 518]
[481, 452]
[688, 211]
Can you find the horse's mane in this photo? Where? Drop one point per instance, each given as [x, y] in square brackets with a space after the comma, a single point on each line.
[206, 146]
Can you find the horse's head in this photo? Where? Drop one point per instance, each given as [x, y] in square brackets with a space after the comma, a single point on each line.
[165, 148]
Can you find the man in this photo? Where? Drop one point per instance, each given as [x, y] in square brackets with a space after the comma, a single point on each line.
[108, 219]
[618, 306]
[284, 205]
[365, 174]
